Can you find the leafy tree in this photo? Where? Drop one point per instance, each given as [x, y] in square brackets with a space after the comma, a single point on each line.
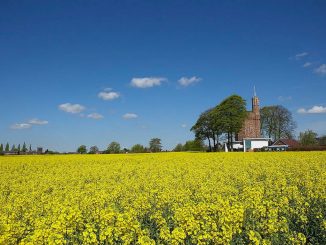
[82, 149]
[207, 128]
[30, 148]
[113, 147]
[194, 145]
[308, 138]
[93, 149]
[155, 145]
[24, 149]
[231, 114]
[138, 148]
[13, 148]
[18, 148]
[7, 147]
[1, 148]
[178, 148]
[277, 122]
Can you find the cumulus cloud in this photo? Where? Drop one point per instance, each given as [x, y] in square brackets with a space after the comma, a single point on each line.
[20, 126]
[36, 121]
[95, 116]
[313, 110]
[307, 64]
[147, 82]
[185, 81]
[71, 108]
[107, 94]
[128, 116]
[321, 70]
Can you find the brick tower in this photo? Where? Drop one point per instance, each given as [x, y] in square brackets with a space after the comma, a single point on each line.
[251, 127]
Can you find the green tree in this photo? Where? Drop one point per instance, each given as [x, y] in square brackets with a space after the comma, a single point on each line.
[277, 122]
[194, 145]
[82, 149]
[308, 138]
[93, 149]
[30, 148]
[24, 149]
[155, 145]
[178, 148]
[13, 148]
[1, 148]
[231, 114]
[138, 148]
[113, 147]
[7, 147]
[18, 148]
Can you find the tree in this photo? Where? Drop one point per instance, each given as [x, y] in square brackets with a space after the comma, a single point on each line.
[138, 148]
[322, 140]
[13, 148]
[178, 148]
[155, 145]
[308, 138]
[207, 128]
[18, 148]
[30, 148]
[7, 147]
[194, 145]
[24, 149]
[93, 149]
[82, 149]
[276, 122]
[231, 114]
[1, 148]
[113, 147]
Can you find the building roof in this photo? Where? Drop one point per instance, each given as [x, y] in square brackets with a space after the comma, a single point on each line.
[289, 142]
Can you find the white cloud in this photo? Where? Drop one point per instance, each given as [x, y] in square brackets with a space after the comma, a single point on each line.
[37, 121]
[321, 70]
[184, 81]
[95, 116]
[20, 126]
[108, 94]
[313, 110]
[147, 82]
[307, 64]
[183, 125]
[284, 98]
[71, 108]
[130, 116]
[301, 55]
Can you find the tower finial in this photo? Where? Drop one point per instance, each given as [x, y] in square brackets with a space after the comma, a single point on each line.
[255, 91]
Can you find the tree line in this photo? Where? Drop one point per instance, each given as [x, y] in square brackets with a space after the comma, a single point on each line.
[15, 149]
[114, 147]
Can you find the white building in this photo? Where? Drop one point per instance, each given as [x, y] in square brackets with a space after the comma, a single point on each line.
[248, 144]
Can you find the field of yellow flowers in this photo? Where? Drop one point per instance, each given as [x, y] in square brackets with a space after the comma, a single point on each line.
[164, 198]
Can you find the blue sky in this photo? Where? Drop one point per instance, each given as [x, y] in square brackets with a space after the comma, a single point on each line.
[90, 72]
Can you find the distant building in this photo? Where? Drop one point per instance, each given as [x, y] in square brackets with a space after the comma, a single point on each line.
[251, 127]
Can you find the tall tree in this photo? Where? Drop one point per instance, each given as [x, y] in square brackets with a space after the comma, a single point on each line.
[308, 138]
[30, 148]
[13, 148]
[232, 113]
[113, 147]
[1, 148]
[206, 128]
[24, 149]
[93, 149]
[7, 148]
[277, 122]
[82, 149]
[178, 148]
[138, 148]
[18, 148]
[155, 145]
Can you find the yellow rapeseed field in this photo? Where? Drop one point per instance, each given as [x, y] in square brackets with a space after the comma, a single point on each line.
[164, 198]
